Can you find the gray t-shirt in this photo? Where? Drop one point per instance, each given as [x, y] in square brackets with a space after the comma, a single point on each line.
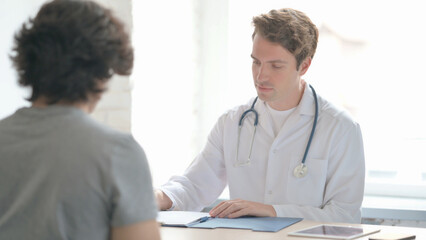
[65, 176]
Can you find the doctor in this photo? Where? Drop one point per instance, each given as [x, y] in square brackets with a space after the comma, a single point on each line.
[296, 154]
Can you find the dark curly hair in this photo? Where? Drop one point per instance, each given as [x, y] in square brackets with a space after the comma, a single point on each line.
[68, 49]
[291, 28]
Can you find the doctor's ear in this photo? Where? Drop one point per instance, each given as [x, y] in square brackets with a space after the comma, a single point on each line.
[304, 66]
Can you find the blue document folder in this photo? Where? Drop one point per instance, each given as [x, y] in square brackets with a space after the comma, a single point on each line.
[203, 220]
[262, 224]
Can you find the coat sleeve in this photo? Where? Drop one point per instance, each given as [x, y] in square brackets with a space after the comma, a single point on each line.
[204, 180]
[344, 188]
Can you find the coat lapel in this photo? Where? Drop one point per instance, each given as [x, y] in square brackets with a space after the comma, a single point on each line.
[265, 122]
[303, 115]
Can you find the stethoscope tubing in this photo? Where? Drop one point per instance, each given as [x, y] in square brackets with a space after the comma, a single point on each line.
[314, 126]
[256, 121]
[256, 118]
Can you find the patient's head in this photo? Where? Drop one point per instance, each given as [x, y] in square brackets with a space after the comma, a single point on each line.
[69, 51]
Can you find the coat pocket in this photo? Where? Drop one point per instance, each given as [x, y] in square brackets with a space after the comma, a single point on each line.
[307, 190]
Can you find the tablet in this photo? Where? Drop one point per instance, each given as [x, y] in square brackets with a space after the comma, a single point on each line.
[333, 232]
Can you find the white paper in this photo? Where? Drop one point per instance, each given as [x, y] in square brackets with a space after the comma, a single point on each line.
[179, 218]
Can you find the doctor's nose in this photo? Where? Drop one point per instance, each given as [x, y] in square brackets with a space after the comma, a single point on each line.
[261, 73]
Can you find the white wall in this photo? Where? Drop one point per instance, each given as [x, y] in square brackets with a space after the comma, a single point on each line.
[113, 109]
[163, 97]
[12, 15]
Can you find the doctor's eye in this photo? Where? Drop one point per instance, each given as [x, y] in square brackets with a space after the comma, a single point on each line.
[276, 66]
[256, 62]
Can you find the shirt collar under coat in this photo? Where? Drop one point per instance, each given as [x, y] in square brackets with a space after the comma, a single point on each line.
[306, 107]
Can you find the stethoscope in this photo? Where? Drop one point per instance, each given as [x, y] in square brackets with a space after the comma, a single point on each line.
[299, 171]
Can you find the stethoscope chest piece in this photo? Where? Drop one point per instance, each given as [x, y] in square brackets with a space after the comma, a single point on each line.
[300, 171]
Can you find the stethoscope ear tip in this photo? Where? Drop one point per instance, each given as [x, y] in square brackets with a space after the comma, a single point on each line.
[247, 163]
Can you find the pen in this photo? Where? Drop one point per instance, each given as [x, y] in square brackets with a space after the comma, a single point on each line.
[203, 219]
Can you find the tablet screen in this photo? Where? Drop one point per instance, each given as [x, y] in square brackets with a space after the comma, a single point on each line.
[333, 231]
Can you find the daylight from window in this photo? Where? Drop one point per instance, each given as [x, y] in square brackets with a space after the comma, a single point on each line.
[369, 61]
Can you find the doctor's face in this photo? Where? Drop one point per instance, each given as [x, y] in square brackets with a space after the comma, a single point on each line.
[275, 76]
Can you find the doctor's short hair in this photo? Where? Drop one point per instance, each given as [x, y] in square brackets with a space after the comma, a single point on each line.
[69, 49]
[291, 28]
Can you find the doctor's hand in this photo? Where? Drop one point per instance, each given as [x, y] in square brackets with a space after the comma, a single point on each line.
[237, 208]
[163, 201]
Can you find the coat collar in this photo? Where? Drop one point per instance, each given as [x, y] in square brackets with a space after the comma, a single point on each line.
[306, 107]
[307, 103]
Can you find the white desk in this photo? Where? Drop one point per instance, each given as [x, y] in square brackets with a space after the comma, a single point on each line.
[173, 233]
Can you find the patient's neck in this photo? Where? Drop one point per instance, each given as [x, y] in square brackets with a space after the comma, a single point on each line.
[43, 102]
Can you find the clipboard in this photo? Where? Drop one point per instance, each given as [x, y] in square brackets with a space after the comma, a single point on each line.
[203, 220]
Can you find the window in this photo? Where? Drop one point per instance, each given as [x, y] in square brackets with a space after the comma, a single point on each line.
[194, 63]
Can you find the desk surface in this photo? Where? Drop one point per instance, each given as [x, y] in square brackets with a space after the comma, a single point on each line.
[175, 233]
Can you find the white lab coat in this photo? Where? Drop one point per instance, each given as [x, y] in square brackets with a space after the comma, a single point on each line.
[332, 191]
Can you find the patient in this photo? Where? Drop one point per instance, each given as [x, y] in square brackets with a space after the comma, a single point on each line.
[62, 174]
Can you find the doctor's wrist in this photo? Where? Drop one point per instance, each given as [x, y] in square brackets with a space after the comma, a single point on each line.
[272, 212]
[163, 201]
